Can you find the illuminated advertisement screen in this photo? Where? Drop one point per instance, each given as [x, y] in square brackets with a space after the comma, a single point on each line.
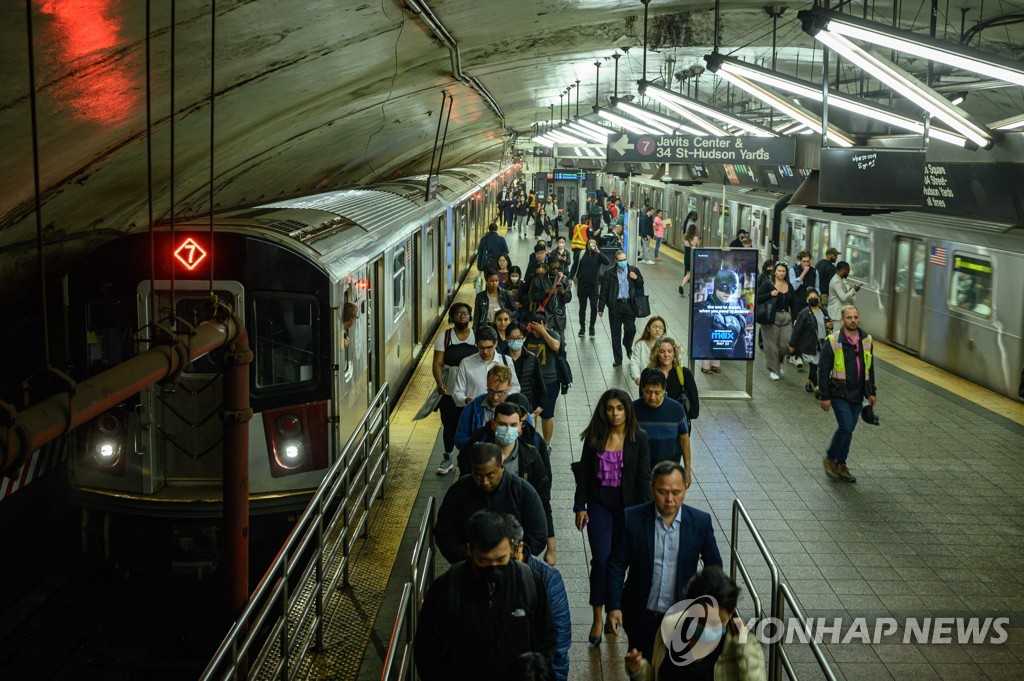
[722, 312]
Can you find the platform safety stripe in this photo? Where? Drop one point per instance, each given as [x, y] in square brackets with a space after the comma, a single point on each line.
[42, 461]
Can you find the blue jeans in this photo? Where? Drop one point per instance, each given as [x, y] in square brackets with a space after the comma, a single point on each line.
[847, 413]
[657, 246]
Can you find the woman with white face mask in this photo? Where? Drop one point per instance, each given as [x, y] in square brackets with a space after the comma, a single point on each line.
[588, 283]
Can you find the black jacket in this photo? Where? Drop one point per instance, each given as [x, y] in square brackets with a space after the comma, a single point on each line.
[491, 246]
[513, 495]
[826, 270]
[531, 468]
[857, 385]
[784, 301]
[489, 630]
[588, 269]
[675, 391]
[610, 289]
[804, 338]
[505, 300]
[636, 473]
[531, 382]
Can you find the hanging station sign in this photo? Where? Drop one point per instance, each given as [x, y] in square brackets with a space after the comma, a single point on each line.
[630, 147]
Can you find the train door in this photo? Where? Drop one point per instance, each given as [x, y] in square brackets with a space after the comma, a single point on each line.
[819, 240]
[419, 263]
[908, 293]
[185, 449]
[708, 214]
[351, 394]
[446, 255]
[375, 328]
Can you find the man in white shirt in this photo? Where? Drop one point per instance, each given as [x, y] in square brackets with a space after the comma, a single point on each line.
[471, 376]
[840, 293]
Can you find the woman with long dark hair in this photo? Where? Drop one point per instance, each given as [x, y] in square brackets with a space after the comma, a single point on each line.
[614, 471]
[690, 242]
[776, 333]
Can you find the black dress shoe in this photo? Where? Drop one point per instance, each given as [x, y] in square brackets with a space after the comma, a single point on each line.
[617, 364]
[808, 387]
[594, 641]
[580, 334]
[592, 332]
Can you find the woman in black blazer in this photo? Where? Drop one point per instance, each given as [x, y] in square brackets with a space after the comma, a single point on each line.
[613, 472]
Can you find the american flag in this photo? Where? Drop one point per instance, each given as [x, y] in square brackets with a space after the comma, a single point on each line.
[938, 256]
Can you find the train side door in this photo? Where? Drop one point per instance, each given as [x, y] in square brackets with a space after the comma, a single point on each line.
[374, 327]
[908, 293]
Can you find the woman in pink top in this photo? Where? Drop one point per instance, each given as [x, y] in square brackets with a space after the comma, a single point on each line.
[614, 471]
[659, 234]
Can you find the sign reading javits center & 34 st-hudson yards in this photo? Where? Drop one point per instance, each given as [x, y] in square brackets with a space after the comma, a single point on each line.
[633, 148]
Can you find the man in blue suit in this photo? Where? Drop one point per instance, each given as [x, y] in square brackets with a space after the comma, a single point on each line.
[661, 542]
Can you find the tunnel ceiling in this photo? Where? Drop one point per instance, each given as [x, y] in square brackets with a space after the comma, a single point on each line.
[320, 94]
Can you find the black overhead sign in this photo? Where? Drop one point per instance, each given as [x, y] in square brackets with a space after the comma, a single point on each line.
[871, 176]
[695, 149]
[986, 189]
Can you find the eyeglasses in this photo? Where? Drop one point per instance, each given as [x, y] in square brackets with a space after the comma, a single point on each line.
[498, 393]
[461, 313]
[484, 348]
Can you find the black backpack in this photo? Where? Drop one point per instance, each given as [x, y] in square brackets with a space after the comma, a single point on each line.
[563, 369]
[455, 353]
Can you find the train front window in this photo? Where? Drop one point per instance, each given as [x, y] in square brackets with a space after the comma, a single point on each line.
[285, 335]
[195, 311]
[108, 334]
[970, 287]
[858, 254]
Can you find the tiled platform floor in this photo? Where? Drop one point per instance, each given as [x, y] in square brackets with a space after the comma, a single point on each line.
[934, 525]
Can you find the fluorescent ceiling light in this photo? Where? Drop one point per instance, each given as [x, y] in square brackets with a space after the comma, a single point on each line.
[957, 56]
[597, 129]
[586, 133]
[628, 124]
[812, 91]
[543, 141]
[908, 86]
[686, 106]
[958, 100]
[1012, 123]
[655, 117]
[565, 138]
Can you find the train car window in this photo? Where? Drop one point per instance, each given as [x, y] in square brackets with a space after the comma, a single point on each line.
[970, 287]
[858, 253]
[285, 331]
[108, 335]
[820, 241]
[398, 282]
[348, 338]
[919, 258]
[429, 259]
[195, 311]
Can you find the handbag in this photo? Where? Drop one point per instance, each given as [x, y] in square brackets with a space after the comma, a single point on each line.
[641, 304]
[764, 313]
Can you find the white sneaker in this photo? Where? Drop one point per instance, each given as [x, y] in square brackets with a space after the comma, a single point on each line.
[447, 465]
[649, 262]
[782, 371]
[772, 375]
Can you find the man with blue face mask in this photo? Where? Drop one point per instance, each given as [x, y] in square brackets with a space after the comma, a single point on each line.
[518, 456]
[619, 287]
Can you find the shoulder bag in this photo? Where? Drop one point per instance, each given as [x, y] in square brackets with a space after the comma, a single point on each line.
[641, 303]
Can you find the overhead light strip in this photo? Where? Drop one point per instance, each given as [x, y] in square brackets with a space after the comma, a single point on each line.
[925, 47]
[685, 106]
[627, 124]
[908, 86]
[813, 92]
[654, 117]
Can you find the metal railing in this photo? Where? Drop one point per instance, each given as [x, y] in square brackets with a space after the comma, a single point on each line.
[785, 598]
[285, 616]
[781, 597]
[421, 572]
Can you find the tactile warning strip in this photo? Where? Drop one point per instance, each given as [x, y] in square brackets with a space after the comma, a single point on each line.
[352, 612]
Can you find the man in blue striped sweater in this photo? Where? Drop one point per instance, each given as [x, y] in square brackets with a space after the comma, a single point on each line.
[664, 420]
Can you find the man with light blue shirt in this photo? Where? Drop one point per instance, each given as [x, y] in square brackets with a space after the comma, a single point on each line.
[661, 543]
[619, 288]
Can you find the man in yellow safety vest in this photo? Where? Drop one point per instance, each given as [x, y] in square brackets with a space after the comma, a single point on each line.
[846, 377]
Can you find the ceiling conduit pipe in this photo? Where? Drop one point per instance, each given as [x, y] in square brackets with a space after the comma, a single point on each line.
[420, 9]
[23, 432]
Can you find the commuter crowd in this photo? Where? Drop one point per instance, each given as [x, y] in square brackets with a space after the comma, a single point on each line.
[499, 371]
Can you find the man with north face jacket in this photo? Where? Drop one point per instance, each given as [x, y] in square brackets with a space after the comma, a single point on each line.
[491, 246]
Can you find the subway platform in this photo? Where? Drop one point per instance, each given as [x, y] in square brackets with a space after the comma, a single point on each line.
[934, 526]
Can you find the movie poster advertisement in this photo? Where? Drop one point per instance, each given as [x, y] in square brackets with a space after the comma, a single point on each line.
[722, 316]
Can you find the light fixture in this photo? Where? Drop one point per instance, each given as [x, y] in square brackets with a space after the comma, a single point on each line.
[653, 117]
[797, 113]
[1012, 123]
[544, 141]
[925, 47]
[586, 133]
[900, 81]
[812, 91]
[565, 138]
[685, 106]
[596, 128]
[627, 124]
[958, 99]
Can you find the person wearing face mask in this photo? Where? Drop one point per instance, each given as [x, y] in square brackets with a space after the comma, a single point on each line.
[486, 610]
[515, 285]
[562, 254]
[809, 330]
[726, 651]
[588, 283]
[488, 486]
[481, 409]
[550, 290]
[452, 346]
[518, 456]
[619, 287]
[531, 379]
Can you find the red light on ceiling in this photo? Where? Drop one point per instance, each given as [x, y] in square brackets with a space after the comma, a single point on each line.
[190, 254]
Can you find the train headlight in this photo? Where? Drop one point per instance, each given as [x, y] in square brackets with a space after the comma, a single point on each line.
[103, 441]
[296, 438]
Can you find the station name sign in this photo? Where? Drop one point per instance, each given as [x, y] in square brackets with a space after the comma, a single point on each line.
[634, 148]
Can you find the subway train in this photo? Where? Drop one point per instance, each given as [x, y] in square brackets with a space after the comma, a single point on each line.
[287, 269]
[943, 287]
